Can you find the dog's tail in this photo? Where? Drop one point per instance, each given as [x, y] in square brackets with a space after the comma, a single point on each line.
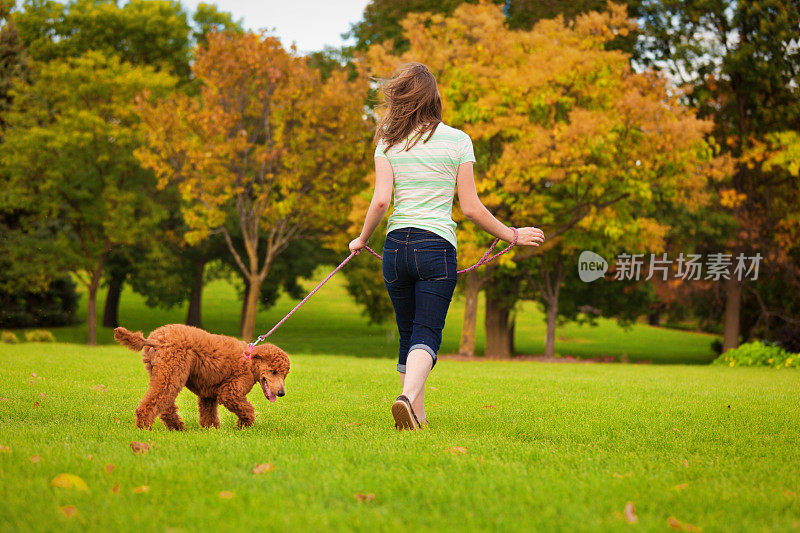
[134, 341]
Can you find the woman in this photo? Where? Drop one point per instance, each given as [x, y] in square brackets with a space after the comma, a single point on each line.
[419, 258]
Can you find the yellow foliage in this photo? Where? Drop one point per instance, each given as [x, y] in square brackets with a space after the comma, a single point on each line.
[563, 128]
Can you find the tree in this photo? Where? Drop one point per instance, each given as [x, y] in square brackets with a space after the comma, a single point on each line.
[739, 65]
[209, 19]
[68, 162]
[568, 136]
[142, 32]
[383, 20]
[266, 146]
[13, 61]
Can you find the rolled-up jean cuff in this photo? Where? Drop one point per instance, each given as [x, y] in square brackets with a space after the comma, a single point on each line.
[401, 368]
[427, 349]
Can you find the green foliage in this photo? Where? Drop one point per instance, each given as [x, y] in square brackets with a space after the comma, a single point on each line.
[68, 164]
[524, 14]
[382, 18]
[759, 354]
[208, 18]
[365, 281]
[746, 50]
[39, 335]
[13, 64]
[9, 337]
[142, 32]
[68, 155]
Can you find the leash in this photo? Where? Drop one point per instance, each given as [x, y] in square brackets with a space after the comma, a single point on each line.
[487, 258]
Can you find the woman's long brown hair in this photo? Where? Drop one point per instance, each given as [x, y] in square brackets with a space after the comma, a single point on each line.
[412, 101]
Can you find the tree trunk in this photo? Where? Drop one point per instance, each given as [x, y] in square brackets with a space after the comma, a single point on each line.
[91, 312]
[469, 325]
[733, 304]
[194, 315]
[550, 288]
[245, 298]
[550, 336]
[250, 310]
[111, 308]
[497, 330]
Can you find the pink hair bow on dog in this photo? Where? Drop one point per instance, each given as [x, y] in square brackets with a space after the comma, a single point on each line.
[248, 354]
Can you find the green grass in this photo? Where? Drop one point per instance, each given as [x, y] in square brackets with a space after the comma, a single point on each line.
[564, 448]
[331, 323]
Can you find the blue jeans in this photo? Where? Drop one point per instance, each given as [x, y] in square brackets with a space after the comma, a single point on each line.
[419, 270]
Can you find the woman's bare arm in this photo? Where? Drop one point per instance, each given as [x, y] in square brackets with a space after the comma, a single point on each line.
[384, 179]
[474, 210]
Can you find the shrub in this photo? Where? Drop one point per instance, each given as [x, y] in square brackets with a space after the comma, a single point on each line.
[53, 307]
[789, 339]
[758, 354]
[9, 337]
[39, 335]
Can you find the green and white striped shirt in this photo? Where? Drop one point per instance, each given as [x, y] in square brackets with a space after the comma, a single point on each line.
[425, 180]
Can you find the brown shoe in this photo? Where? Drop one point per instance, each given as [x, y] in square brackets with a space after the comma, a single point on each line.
[404, 417]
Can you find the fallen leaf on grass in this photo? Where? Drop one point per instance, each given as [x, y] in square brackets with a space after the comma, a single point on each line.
[140, 447]
[225, 495]
[35, 458]
[263, 468]
[141, 489]
[90, 457]
[69, 510]
[457, 449]
[353, 424]
[34, 376]
[626, 474]
[5, 399]
[433, 388]
[364, 497]
[686, 463]
[36, 403]
[42, 395]
[4, 449]
[490, 407]
[630, 513]
[99, 388]
[674, 523]
[676, 430]
[680, 486]
[69, 481]
[109, 468]
[115, 489]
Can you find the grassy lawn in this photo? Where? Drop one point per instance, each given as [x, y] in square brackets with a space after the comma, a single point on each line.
[312, 330]
[562, 447]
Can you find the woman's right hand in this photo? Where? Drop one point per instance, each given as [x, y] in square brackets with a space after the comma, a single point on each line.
[530, 236]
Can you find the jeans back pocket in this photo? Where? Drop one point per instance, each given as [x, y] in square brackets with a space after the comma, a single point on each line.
[389, 265]
[431, 264]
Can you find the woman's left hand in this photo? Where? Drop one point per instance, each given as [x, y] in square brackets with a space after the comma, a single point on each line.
[357, 244]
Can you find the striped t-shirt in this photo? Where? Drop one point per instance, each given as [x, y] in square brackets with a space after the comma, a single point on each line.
[425, 180]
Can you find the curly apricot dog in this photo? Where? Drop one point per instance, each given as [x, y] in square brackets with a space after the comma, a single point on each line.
[211, 366]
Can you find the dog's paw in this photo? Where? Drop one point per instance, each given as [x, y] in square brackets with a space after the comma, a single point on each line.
[246, 422]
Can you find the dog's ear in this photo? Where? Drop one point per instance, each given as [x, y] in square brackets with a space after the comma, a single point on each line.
[274, 356]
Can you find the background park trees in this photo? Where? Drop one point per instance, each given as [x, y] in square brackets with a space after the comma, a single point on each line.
[569, 138]
[266, 148]
[69, 166]
[572, 130]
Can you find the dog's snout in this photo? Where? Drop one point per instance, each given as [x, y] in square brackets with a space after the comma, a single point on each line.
[282, 392]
